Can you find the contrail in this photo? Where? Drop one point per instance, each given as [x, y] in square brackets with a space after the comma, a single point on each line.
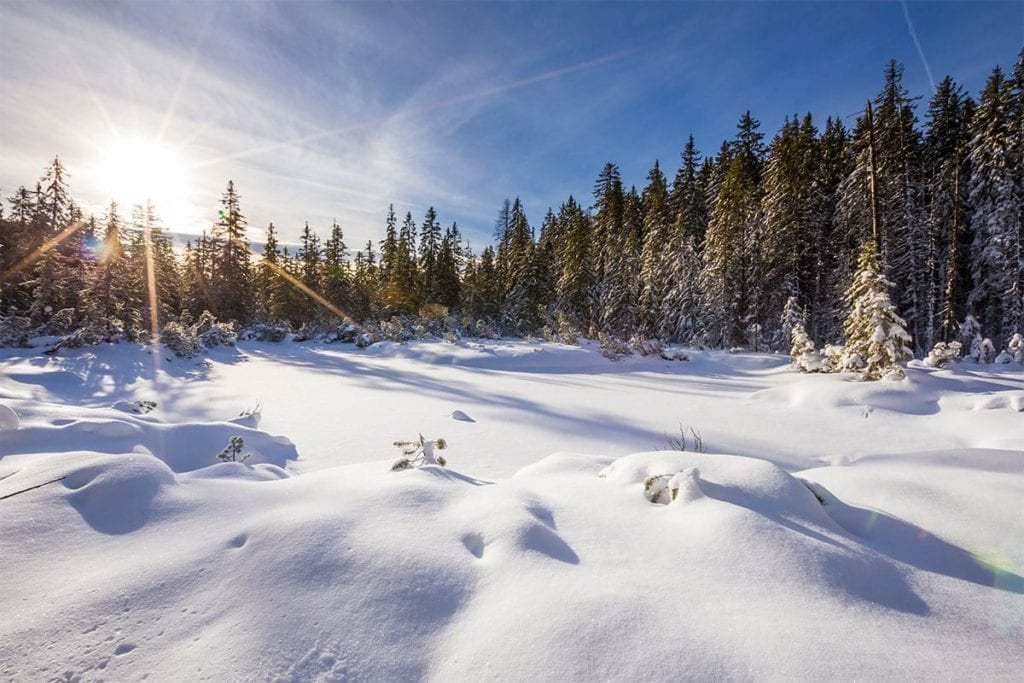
[917, 43]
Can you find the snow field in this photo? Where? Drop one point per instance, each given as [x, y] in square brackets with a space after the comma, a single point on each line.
[312, 561]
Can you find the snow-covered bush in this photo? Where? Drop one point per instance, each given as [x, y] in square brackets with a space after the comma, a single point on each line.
[943, 354]
[645, 347]
[233, 451]
[180, 340]
[347, 333]
[802, 352]
[832, 356]
[486, 329]
[1014, 351]
[15, 330]
[982, 350]
[309, 331]
[397, 329]
[268, 332]
[970, 329]
[613, 348]
[419, 453]
[365, 339]
[674, 353]
[218, 334]
[561, 331]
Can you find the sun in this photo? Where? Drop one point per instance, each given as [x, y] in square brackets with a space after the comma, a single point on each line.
[135, 170]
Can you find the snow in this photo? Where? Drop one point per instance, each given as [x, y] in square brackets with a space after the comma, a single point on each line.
[833, 528]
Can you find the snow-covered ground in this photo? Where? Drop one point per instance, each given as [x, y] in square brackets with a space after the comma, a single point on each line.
[536, 554]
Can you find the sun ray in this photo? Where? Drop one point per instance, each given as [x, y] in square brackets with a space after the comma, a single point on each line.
[308, 291]
[46, 246]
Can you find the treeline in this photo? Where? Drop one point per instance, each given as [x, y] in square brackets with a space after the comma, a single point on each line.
[735, 249]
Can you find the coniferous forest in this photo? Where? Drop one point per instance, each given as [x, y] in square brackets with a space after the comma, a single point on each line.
[920, 201]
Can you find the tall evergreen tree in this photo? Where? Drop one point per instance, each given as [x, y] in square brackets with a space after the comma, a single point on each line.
[996, 195]
[231, 276]
[946, 173]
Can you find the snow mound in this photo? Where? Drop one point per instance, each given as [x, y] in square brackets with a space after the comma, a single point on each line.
[9, 420]
[461, 416]
[115, 494]
[755, 485]
[182, 446]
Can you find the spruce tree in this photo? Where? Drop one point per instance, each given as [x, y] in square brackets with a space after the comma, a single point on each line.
[337, 285]
[655, 282]
[946, 172]
[876, 338]
[575, 284]
[996, 195]
[231, 276]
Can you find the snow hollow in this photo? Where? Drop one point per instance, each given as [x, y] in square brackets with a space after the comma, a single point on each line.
[815, 526]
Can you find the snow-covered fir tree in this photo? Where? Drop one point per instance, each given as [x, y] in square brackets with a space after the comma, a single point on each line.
[876, 339]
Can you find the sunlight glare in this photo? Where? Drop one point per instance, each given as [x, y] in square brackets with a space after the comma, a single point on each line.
[136, 169]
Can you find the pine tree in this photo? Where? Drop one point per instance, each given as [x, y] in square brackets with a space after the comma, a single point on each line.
[834, 251]
[681, 309]
[655, 282]
[519, 310]
[876, 338]
[231, 276]
[309, 258]
[429, 247]
[689, 195]
[789, 245]
[946, 173]
[731, 287]
[996, 195]
[337, 284]
[575, 284]
[269, 283]
[609, 240]
[448, 286]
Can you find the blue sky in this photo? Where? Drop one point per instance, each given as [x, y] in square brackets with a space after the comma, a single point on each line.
[321, 110]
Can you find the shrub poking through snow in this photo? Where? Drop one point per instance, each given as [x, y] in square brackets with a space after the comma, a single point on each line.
[663, 489]
[233, 451]
[943, 354]
[136, 407]
[688, 439]
[419, 453]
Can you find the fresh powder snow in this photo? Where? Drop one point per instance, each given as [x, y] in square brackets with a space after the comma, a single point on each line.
[817, 526]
